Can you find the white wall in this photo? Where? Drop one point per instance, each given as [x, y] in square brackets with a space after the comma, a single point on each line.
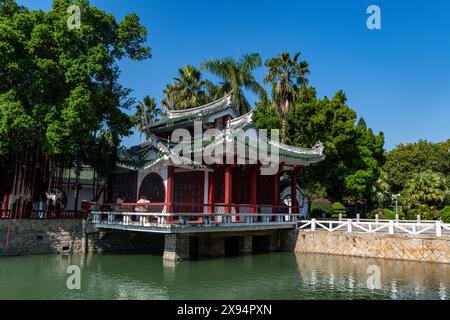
[161, 170]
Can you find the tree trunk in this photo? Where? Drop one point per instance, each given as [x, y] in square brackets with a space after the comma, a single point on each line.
[284, 112]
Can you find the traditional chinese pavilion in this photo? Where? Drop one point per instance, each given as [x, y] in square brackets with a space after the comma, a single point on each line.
[154, 170]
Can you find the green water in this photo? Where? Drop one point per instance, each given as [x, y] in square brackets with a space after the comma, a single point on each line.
[263, 276]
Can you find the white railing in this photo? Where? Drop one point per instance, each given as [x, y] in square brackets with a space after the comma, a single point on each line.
[411, 227]
[165, 220]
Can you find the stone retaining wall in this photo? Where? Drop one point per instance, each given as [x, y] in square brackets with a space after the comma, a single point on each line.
[28, 237]
[399, 247]
[33, 237]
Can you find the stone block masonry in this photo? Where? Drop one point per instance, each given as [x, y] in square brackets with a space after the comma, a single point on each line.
[34, 237]
[399, 247]
[29, 237]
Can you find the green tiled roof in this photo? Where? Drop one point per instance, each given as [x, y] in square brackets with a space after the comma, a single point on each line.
[138, 156]
[286, 151]
[180, 117]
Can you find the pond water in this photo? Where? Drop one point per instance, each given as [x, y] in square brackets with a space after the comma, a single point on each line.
[279, 275]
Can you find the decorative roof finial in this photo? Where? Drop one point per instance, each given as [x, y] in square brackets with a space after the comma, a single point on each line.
[319, 147]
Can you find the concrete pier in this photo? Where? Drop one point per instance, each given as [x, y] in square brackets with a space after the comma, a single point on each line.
[246, 244]
[176, 247]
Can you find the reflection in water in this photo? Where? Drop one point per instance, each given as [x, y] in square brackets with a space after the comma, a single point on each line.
[399, 279]
[263, 276]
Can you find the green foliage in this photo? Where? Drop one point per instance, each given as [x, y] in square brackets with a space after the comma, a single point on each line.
[426, 187]
[237, 75]
[381, 190]
[354, 154]
[338, 208]
[387, 214]
[147, 111]
[188, 90]
[445, 214]
[266, 117]
[286, 75]
[15, 124]
[373, 213]
[59, 90]
[426, 212]
[408, 159]
[320, 206]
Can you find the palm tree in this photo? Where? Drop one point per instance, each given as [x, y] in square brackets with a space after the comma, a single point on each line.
[426, 187]
[188, 91]
[146, 113]
[286, 76]
[237, 76]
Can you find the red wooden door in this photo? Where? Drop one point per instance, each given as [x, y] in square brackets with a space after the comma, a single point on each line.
[188, 189]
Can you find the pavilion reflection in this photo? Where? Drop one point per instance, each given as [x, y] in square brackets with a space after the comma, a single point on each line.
[398, 278]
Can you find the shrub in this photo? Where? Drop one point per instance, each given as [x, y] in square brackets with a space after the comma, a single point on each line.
[386, 214]
[319, 207]
[445, 214]
[373, 213]
[426, 212]
[338, 208]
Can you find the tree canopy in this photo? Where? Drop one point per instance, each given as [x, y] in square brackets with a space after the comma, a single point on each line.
[286, 75]
[188, 91]
[60, 98]
[236, 76]
[408, 159]
[354, 154]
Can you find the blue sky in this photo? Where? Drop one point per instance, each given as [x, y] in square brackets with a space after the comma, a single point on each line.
[397, 78]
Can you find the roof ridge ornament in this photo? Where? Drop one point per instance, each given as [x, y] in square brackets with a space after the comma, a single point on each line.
[226, 98]
[319, 147]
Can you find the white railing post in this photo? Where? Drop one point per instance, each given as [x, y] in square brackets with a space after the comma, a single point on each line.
[397, 218]
[349, 225]
[358, 217]
[340, 216]
[313, 224]
[418, 218]
[391, 227]
[376, 218]
[438, 229]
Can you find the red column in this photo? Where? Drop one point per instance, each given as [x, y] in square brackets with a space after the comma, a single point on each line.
[169, 191]
[253, 189]
[5, 205]
[211, 192]
[228, 188]
[294, 191]
[275, 192]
